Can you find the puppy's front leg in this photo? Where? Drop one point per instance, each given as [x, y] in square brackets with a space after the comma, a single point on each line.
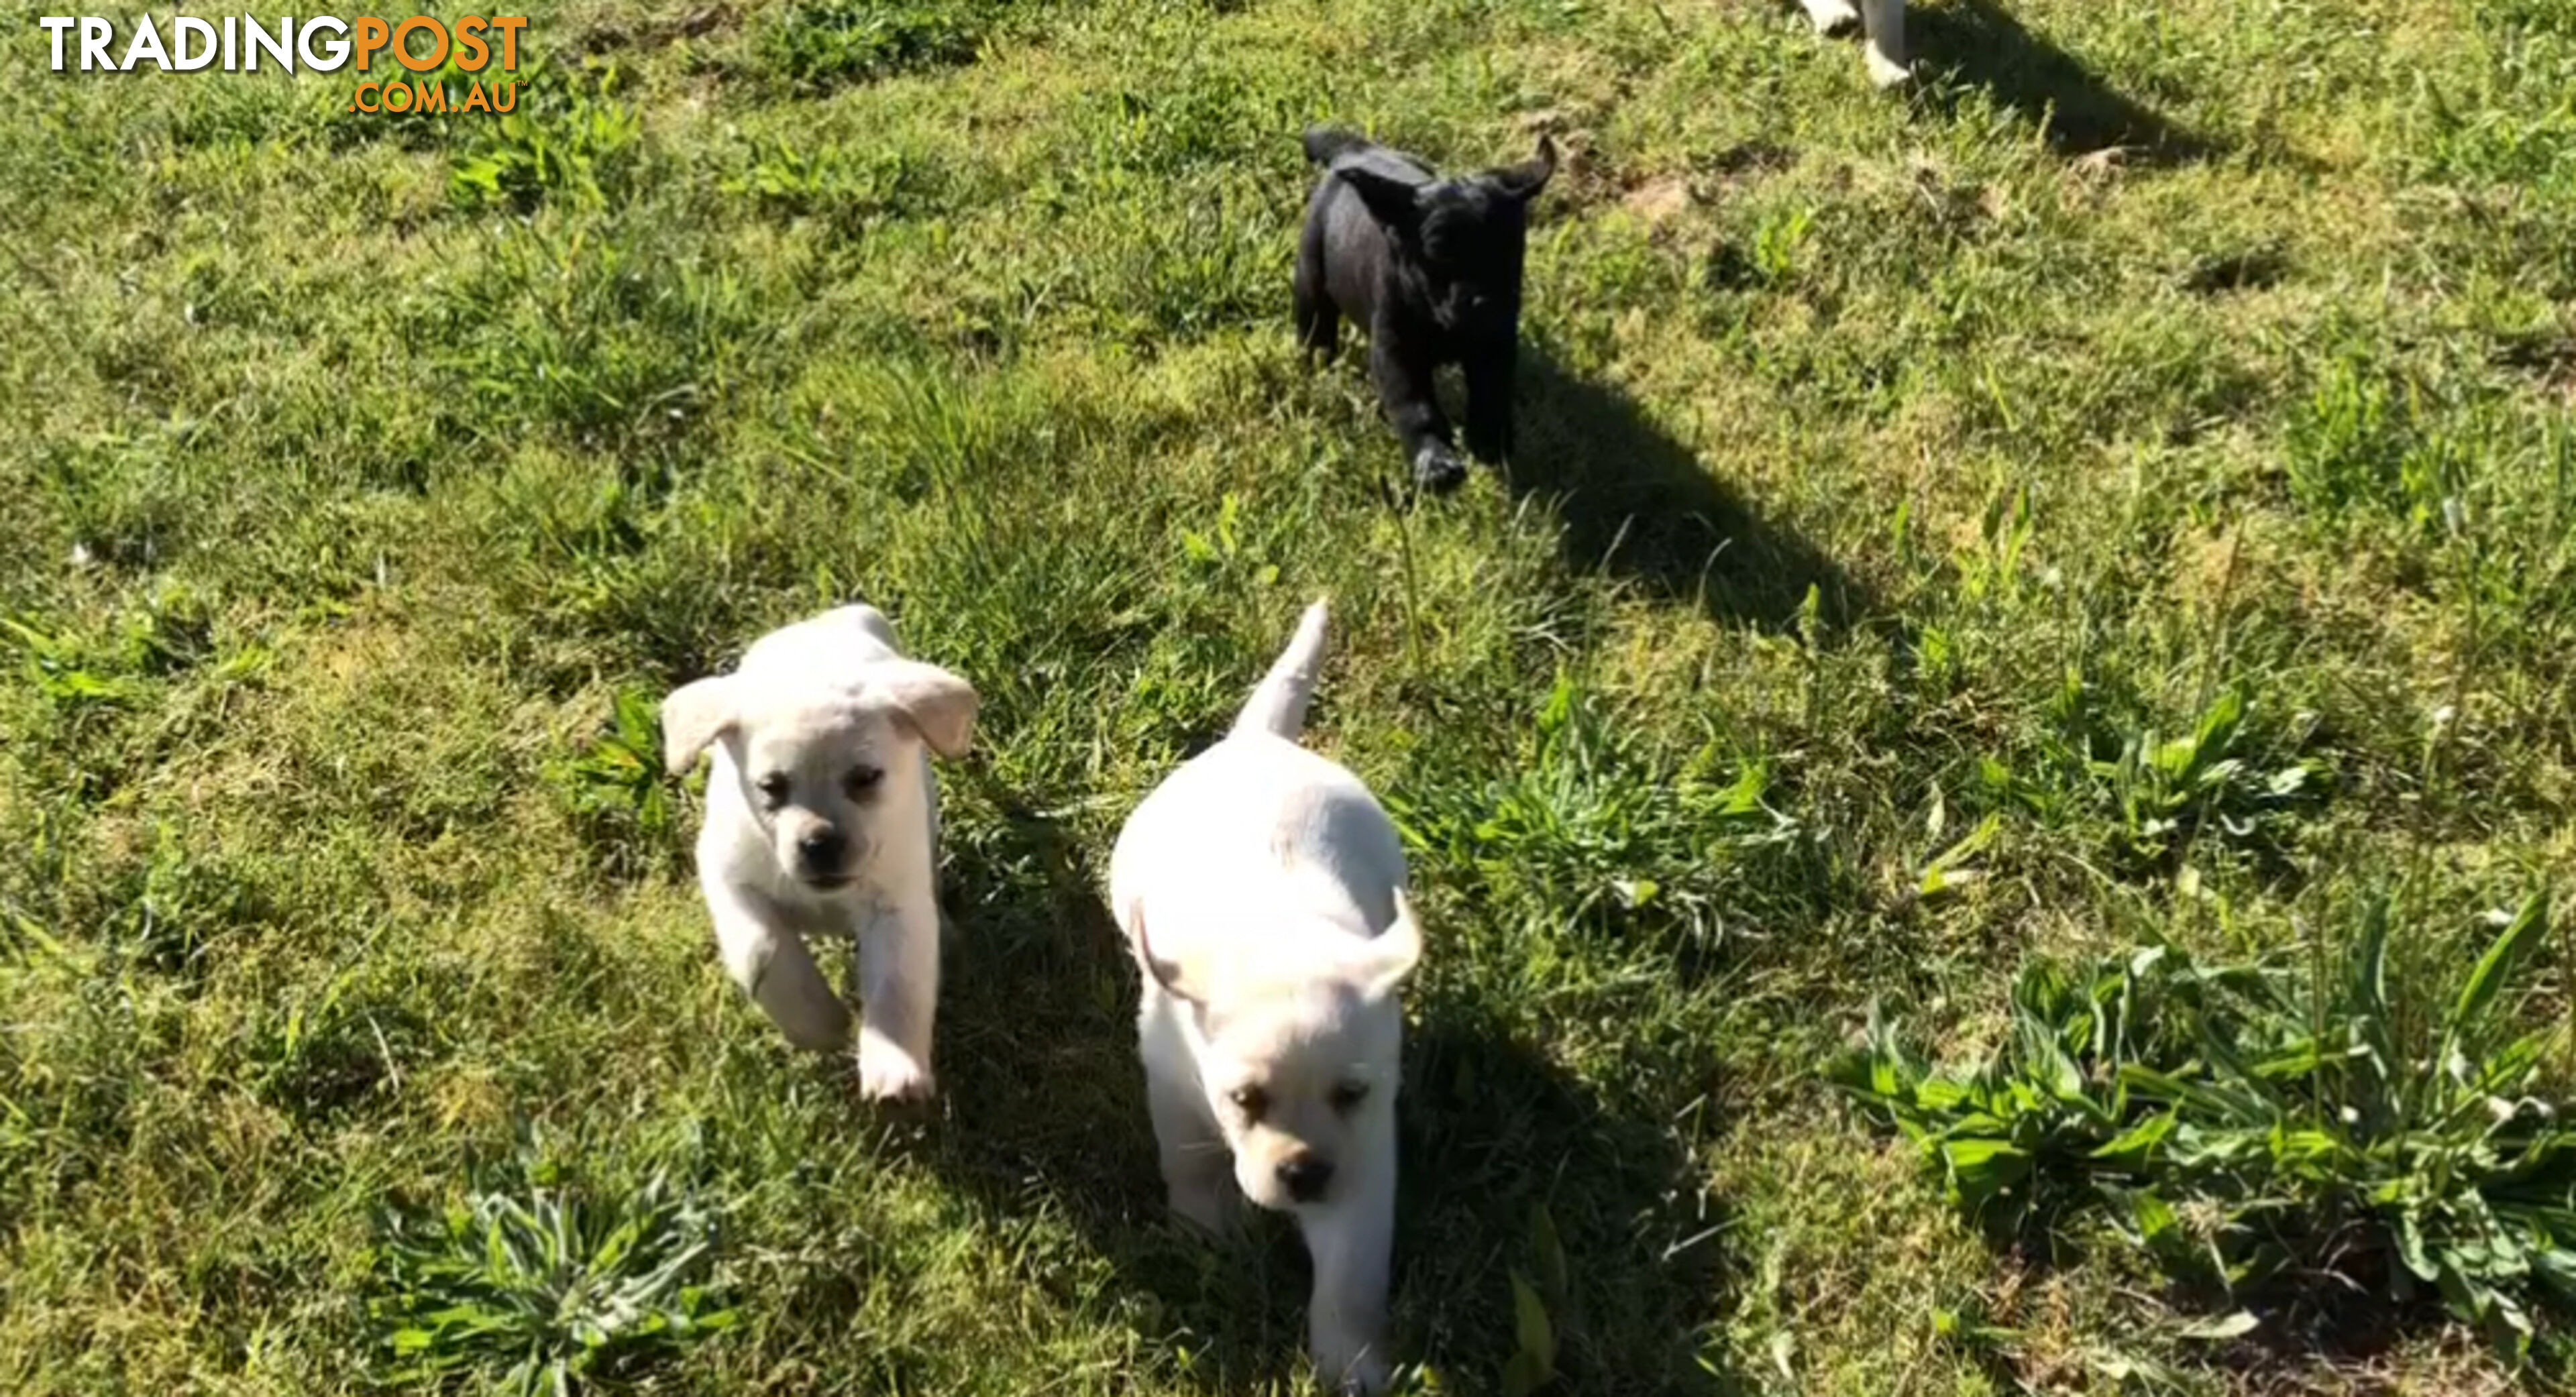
[1198, 1172]
[1198, 1169]
[1489, 402]
[1350, 1244]
[773, 966]
[898, 997]
[1404, 390]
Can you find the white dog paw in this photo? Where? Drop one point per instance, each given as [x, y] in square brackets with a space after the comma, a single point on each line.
[889, 1074]
[1885, 72]
[1833, 17]
[1366, 1374]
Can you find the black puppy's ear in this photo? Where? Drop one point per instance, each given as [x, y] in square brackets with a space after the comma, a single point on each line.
[1394, 202]
[1524, 181]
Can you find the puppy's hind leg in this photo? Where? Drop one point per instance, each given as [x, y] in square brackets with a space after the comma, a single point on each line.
[1350, 1244]
[1885, 47]
[774, 967]
[1318, 319]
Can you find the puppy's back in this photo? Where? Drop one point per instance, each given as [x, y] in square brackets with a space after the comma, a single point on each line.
[1259, 821]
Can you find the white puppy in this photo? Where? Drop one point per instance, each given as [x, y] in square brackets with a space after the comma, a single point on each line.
[1882, 23]
[822, 816]
[1262, 890]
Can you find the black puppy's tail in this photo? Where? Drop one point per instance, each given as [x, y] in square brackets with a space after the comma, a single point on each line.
[1326, 144]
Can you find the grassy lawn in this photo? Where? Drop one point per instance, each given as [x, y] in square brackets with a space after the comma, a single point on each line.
[1889, 467]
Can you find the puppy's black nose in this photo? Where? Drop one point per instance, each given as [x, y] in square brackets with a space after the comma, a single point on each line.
[822, 850]
[1306, 1178]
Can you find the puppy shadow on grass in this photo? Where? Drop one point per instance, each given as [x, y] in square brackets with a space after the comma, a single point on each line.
[1519, 1177]
[1045, 1113]
[1644, 509]
[1989, 49]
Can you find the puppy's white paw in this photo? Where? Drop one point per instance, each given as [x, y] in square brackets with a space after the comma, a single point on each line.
[1886, 71]
[888, 1074]
[1437, 470]
[1362, 1374]
[1833, 17]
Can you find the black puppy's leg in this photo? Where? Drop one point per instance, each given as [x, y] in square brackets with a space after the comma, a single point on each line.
[1489, 402]
[1318, 319]
[1404, 389]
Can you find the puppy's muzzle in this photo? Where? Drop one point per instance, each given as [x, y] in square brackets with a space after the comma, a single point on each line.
[823, 858]
[1306, 1178]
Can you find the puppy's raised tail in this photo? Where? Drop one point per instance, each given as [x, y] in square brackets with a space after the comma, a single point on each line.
[1279, 705]
[1326, 144]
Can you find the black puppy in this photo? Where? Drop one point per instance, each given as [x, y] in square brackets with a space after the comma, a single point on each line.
[1432, 268]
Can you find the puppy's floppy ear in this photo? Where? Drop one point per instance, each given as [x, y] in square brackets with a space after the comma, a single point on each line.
[1525, 180]
[693, 716]
[1392, 201]
[1166, 973]
[1394, 952]
[939, 705]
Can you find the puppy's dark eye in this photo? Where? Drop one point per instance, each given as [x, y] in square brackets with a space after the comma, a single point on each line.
[1347, 1096]
[1251, 1101]
[773, 789]
[861, 780]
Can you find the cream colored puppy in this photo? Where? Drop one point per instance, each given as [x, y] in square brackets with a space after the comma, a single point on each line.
[1882, 26]
[1262, 890]
[823, 817]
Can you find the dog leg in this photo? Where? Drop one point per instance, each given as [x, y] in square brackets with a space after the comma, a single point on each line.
[1198, 1172]
[1350, 1244]
[774, 967]
[898, 998]
[1319, 321]
[1832, 16]
[1405, 391]
[1884, 49]
[1198, 1169]
[1489, 404]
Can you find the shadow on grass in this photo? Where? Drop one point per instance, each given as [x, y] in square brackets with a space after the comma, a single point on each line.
[2333, 1299]
[1046, 1099]
[1644, 509]
[1989, 49]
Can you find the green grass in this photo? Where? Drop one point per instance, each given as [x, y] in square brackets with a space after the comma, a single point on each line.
[2122, 492]
[2270, 1132]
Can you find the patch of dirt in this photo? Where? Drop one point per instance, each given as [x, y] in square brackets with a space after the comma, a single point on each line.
[2210, 567]
[2254, 269]
[1739, 165]
[2547, 358]
[649, 34]
[1659, 201]
[1663, 199]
